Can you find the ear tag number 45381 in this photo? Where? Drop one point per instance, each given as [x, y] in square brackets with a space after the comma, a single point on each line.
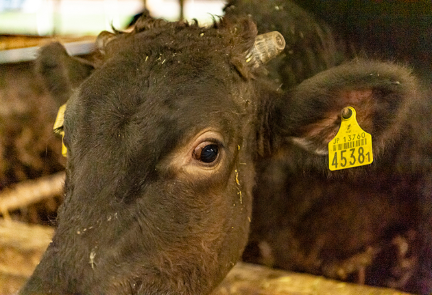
[352, 146]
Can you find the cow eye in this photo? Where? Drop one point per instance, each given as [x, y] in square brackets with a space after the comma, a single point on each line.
[206, 152]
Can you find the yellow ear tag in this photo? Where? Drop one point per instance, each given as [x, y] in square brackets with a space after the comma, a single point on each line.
[352, 146]
[58, 127]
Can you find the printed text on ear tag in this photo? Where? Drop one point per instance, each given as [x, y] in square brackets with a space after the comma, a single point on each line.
[352, 146]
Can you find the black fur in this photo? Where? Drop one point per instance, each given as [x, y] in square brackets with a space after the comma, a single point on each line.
[141, 215]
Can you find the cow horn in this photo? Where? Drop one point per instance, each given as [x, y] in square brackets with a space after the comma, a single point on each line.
[266, 47]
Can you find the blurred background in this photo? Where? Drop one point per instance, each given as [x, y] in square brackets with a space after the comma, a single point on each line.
[89, 17]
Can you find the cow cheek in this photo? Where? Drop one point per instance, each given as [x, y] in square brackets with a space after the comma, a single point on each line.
[199, 229]
[206, 210]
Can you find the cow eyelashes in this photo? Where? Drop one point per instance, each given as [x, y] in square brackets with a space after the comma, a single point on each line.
[207, 152]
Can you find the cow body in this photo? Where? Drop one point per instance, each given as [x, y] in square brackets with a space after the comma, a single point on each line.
[169, 134]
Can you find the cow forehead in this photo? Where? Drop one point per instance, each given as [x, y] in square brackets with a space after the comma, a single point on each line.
[187, 68]
[142, 105]
[132, 113]
[158, 87]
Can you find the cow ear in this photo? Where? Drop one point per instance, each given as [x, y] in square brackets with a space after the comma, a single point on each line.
[381, 93]
[60, 72]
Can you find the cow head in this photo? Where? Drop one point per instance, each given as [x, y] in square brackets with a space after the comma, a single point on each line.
[161, 141]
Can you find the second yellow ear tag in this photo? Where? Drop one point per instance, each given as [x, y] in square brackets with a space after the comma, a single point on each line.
[352, 146]
[58, 127]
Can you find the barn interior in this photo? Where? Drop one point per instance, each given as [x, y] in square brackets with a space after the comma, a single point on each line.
[31, 163]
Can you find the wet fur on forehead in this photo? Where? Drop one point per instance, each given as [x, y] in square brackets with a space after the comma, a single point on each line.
[232, 37]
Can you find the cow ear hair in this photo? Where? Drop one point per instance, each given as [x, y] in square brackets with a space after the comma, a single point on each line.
[59, 72]
[382, 93]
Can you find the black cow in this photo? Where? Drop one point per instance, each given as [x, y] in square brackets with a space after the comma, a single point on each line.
[163, 140]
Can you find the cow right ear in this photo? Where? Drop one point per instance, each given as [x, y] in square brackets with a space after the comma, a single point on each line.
[381, 93]
[59, 72]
